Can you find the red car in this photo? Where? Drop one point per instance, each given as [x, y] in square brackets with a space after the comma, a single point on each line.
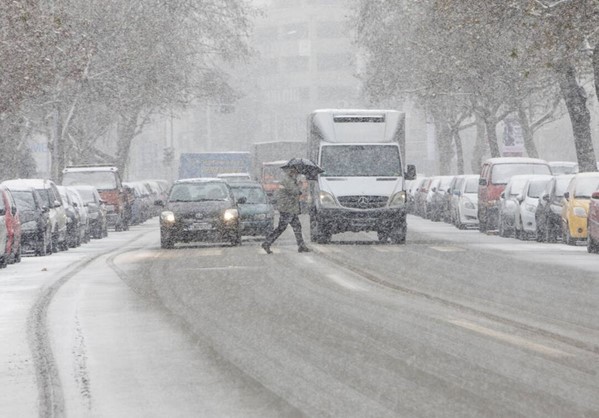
[593, 224]
[12, 252]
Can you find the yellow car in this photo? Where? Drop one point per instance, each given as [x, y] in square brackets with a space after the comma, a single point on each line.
[576, 206]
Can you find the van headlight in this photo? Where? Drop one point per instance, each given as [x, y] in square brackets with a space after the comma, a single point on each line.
[580, 212]
[167, 217]
[398, 199]
[230, 215]
[327, 199]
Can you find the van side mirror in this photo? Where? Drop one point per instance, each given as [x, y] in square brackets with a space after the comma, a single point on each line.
[595, 195]
[2, 212]
[482, 182]
[57, 204]
[567, 195]
[545, 197]
[502, 195]
[410, 174]
[520, 198]
[242, 200]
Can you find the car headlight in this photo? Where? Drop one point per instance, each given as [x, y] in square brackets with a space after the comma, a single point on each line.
[327, 199]
[530, 208]
[398, 199]
[167, 217]
[230, 215]
[29, 226]
[580, 212]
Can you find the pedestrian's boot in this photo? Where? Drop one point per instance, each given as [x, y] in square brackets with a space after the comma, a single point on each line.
[266, 247]
[303, 249]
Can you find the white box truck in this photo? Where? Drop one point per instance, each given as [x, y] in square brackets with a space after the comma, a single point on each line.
[363, 184]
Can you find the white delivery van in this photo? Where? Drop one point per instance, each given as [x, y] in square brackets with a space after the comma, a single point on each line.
[363, 184]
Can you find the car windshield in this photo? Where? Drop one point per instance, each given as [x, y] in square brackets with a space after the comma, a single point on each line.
[585, 186]
[197, 192]
[360, 160]
[45, 194]
[502, 172]
[561, 185]
[24, 200]
[536, 187]
[254, 195]
[102, 180]
[471, 185]
[517, 187]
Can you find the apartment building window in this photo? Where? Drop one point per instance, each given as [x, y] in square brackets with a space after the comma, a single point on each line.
[336, 93]
[331, 30]
[295, 64]
[334, 62]
[294, 31]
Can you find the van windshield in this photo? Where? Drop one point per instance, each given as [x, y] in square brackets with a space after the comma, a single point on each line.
[361, 160]
[102, 180]
[502, 172]
[585, 186]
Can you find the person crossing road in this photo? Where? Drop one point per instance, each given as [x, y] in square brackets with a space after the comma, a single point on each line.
[288, 203]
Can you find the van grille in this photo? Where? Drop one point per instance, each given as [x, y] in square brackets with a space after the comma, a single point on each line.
[363, 202]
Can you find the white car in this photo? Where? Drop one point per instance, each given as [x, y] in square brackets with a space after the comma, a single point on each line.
[3, 234]
[58, 217]
[464, 202]
[526, 225]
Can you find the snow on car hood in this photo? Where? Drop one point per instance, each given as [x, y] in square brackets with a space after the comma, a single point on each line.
[357, 186]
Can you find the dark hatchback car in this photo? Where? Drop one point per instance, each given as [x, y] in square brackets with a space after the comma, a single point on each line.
[202, 209]
[548, 215]
[36, 231]
[256, 214]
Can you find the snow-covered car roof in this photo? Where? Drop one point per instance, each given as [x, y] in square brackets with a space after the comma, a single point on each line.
[25, 183]
[17, 184]
[90, 168]
[515, 160]
[201, 180]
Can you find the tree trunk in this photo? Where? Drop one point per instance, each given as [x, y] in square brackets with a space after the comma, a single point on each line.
[458, 151]
[527, 135]
[575, 98]
[479, 146]
[126, 131]
[596, 68]
[491, 126]
[57, 152]
[444, 141]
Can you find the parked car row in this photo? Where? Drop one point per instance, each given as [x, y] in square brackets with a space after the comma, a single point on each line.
[521, 197]
[451, 199]
[38, 217]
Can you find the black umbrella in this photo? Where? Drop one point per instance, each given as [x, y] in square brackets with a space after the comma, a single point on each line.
[304, 166]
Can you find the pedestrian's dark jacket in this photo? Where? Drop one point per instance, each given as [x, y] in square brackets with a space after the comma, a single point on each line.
[288, 195]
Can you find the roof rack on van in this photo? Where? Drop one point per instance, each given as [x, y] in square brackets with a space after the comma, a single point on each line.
[108, 167]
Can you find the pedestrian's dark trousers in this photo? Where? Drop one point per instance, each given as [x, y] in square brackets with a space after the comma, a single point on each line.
[286, 218]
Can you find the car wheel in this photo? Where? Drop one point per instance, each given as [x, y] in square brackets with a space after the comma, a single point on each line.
[592, 245]
[566, 237]
[55, 244]
[166, 241]
[482, 222]
[317, 232]
[3, 262]
[383, 236]
[398, 234]
[236, 241]
[502, 232]
[18, 255]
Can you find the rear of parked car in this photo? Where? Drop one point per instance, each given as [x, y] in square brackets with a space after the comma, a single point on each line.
[495, 174]
[576, 207]
[13, 227]
[593, 223]
[36, 231]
